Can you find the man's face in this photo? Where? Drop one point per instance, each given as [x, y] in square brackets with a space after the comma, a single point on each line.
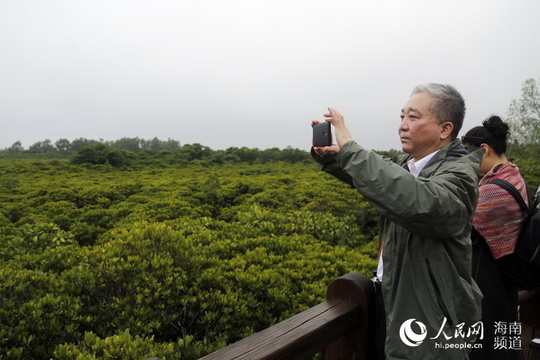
[419, 131]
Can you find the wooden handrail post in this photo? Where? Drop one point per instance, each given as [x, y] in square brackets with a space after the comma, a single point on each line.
[358, 343]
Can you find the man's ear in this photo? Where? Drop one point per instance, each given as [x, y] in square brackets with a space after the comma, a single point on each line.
[446, 130]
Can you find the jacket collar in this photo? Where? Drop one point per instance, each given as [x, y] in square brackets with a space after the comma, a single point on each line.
[450, 152]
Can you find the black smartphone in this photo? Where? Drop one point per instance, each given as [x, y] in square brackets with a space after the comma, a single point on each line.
[322, 134]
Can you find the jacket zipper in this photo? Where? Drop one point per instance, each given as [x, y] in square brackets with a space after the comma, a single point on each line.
[438, 294]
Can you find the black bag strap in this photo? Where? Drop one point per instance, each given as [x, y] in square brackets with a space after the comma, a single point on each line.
[513, 191]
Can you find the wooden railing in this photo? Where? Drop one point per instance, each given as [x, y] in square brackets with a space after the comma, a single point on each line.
[340, 327]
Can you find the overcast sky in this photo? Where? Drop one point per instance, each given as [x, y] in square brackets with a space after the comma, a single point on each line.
[252, 73]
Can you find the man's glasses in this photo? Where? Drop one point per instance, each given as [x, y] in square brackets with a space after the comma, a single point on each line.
[472, 143]
[472, 140]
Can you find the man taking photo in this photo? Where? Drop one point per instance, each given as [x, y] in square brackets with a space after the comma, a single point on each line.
[429, 306]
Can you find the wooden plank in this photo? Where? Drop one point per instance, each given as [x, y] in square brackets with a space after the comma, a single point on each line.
[309, 338]
[302, 335]
[285, 326]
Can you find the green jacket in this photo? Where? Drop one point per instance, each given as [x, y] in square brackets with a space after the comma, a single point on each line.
[427, 248]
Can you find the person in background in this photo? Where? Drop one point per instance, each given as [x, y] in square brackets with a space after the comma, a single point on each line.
[496, 226]
[427, 198]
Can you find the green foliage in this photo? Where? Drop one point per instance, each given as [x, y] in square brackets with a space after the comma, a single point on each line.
[34, 238]
[136, 151]
[101, 154]
[530, 170]
[127, 347]
[41, 147]
[524, 120]
[100, 263]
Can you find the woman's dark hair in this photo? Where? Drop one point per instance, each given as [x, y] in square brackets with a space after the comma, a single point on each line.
[493, 132]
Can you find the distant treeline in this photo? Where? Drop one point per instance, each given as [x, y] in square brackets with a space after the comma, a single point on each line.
[136, 151]
[69, 147]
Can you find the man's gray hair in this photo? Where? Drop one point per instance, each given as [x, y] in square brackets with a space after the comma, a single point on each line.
[447, 106]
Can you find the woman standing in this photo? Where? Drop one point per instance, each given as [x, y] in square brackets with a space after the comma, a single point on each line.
[496, 227]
